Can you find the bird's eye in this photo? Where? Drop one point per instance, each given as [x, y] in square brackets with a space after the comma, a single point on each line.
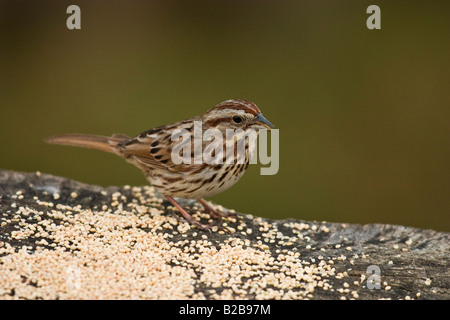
[237, 119]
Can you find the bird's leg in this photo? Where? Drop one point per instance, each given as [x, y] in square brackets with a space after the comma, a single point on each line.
[188, 217]
[212, 212]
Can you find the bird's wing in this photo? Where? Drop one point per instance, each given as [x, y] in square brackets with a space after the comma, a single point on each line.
[153, 148]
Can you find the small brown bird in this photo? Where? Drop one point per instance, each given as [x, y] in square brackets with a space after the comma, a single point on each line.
[151, 151]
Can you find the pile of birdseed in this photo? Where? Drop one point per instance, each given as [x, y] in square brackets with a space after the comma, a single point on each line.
[60, 239]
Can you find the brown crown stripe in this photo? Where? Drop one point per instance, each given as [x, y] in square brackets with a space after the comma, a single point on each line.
[253, 109]
[240, 102]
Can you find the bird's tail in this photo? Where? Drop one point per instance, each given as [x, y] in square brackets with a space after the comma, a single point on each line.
[102, 143]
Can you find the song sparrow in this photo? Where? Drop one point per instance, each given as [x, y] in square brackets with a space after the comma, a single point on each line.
[151, 152]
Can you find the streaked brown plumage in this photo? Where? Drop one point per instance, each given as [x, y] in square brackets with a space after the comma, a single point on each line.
[151, 152]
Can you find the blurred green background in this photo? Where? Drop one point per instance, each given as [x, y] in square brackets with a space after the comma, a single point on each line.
[363, 115]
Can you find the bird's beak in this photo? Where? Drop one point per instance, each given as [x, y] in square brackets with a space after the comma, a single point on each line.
[261, 120]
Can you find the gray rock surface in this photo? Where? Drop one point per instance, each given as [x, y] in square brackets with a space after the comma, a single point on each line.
[61, 239]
